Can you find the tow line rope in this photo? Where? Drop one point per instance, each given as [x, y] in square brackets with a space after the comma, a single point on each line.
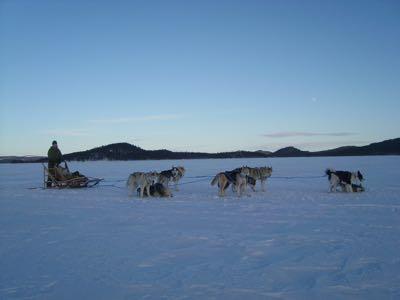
[207, 177]
[119, 187]
[199, 179]
[297, 177]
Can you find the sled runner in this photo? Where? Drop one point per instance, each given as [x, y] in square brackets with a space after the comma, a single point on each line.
[61, 177]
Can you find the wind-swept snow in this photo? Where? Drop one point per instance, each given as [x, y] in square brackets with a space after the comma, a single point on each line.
[295, 241]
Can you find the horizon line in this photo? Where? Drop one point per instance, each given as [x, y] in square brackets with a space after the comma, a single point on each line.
[241, 150]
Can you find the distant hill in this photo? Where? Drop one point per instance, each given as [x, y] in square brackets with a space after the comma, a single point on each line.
[290, 152]
[125, 151]
[264, 152]
[388, 147]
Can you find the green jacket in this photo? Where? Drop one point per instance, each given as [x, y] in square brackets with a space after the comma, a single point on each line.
[54, 155]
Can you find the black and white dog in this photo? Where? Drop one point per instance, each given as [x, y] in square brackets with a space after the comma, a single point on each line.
[166, 176]
[346, 180]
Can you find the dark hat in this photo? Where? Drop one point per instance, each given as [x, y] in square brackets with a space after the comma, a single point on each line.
[54, 143]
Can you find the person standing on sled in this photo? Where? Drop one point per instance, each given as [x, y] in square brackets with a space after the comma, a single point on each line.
[54, 159]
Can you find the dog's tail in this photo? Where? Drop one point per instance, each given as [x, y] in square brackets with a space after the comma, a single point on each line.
[215, 179]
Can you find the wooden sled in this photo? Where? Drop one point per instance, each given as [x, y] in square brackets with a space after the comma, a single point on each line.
[61, 177]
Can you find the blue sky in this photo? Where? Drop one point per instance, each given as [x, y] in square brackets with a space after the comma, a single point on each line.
[198, 75]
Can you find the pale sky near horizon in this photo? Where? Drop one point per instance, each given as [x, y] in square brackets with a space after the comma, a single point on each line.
[203, 76]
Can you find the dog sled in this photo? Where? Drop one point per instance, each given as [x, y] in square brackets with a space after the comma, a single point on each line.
[61, 177]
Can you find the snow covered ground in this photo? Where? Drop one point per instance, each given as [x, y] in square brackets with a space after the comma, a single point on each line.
[295, 241]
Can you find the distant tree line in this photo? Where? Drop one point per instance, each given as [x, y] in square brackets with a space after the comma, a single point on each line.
[125, 151]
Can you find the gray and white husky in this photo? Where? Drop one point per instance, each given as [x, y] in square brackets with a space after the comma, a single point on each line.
[141, 180]
[180, 173]
[261, 174]
[174, 174]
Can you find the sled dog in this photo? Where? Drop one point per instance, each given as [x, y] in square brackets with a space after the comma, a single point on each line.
[164, 177]
[236, 177]
[261, 174]
[180, 173]
[345, 180]
[141, 180]
[156, 190]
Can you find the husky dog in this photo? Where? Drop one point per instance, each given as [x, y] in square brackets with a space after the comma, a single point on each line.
[180, 173]
[344, 179]
[141, 180]
[261, 174]
[166, 176]
[156, 190]
[236, 177]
